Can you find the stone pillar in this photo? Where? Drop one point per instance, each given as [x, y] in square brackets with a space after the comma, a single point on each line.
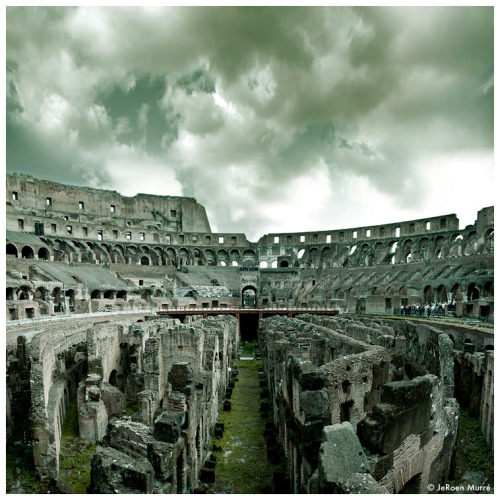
[92, 413]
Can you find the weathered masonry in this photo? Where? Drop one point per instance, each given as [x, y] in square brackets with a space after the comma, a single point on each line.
[68, 252]
[88, 271]
[370, 405]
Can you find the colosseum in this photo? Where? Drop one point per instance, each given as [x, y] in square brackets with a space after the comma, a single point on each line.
[131, 318]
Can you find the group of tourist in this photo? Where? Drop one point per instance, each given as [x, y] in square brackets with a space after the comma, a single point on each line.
[428, 309]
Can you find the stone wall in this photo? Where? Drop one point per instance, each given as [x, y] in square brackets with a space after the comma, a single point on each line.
[180, 376]
[403, 422]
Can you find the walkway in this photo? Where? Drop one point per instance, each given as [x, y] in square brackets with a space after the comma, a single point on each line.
[242, 465]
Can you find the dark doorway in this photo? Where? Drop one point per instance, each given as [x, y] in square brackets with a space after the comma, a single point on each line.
[249, 297]
[249, 323]
[412, 486]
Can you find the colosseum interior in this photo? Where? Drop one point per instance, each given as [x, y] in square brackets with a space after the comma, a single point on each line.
[371, 341]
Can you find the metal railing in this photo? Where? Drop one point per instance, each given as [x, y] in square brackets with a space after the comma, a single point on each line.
[258, 308]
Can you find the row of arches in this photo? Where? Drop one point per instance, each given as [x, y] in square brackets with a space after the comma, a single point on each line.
[364, 254]
[398, 250]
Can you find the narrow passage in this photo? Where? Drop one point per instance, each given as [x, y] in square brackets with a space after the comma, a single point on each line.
[242, 464]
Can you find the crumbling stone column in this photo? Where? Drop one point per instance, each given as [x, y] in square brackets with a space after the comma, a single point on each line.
[92, 413]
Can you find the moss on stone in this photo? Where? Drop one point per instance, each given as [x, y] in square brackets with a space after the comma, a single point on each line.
[75, 454]
[243, 460]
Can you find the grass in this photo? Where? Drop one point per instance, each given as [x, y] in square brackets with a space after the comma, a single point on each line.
[473, 453]
[19, 463]
[75, 454]
[243, 460]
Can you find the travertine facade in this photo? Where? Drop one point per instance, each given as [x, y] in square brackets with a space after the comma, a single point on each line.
[87, 271]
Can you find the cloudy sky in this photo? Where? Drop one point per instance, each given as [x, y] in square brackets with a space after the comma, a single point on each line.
[275, 119]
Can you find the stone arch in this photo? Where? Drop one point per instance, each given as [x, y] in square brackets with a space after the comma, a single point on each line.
[423, 247]
[41, 293]
[146, 295]
[27, 252]
[223, 257]
[442, 294]
[96, 294]
[210, 257]
[249, 258]
[403, 291]
[11, 250]
[171, 256]
[488, 289]
[117, 254]
[428, 294]
[198, 256]
[249, 296]
[470, 244]
[352, 292]
[144, 260]
[340, 294]
[472, 292]
[160, 255]
[158, 293]
[24, 293]
[235, 255]
[456, 292]
[109, 294]
[439, 243]
[56, 294]
[183, 257]
[263, 264]
[43, 254]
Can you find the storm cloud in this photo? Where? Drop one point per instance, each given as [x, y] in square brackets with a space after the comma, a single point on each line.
[274, 118]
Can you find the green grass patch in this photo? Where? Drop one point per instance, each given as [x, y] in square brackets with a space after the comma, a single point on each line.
[19, 463]
[472, 444]
[243, 460]
[75, 454]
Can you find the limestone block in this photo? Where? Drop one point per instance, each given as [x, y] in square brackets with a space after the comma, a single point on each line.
[340, 455]
[167, 427]
[360, 484]
[113, 399]
[115, 472]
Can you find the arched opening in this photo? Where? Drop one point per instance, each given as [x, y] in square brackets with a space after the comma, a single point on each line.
[9, 294]
[488, 289]
[109, 294]
[11, 250]
[442, 293]
[428, 294]
[96, 294]
[41, 293]
[301, 253]
[122, 294]
[284, 263]
[158, 293]
[43, 254]
[472, 292]
[274, 264]
[249, 297]
[27, 253]
[146, 295]
[144, 261]
[263, 264]
[71, 299]
[112, 378]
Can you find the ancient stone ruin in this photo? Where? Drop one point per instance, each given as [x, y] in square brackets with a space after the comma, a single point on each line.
[371, 339]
